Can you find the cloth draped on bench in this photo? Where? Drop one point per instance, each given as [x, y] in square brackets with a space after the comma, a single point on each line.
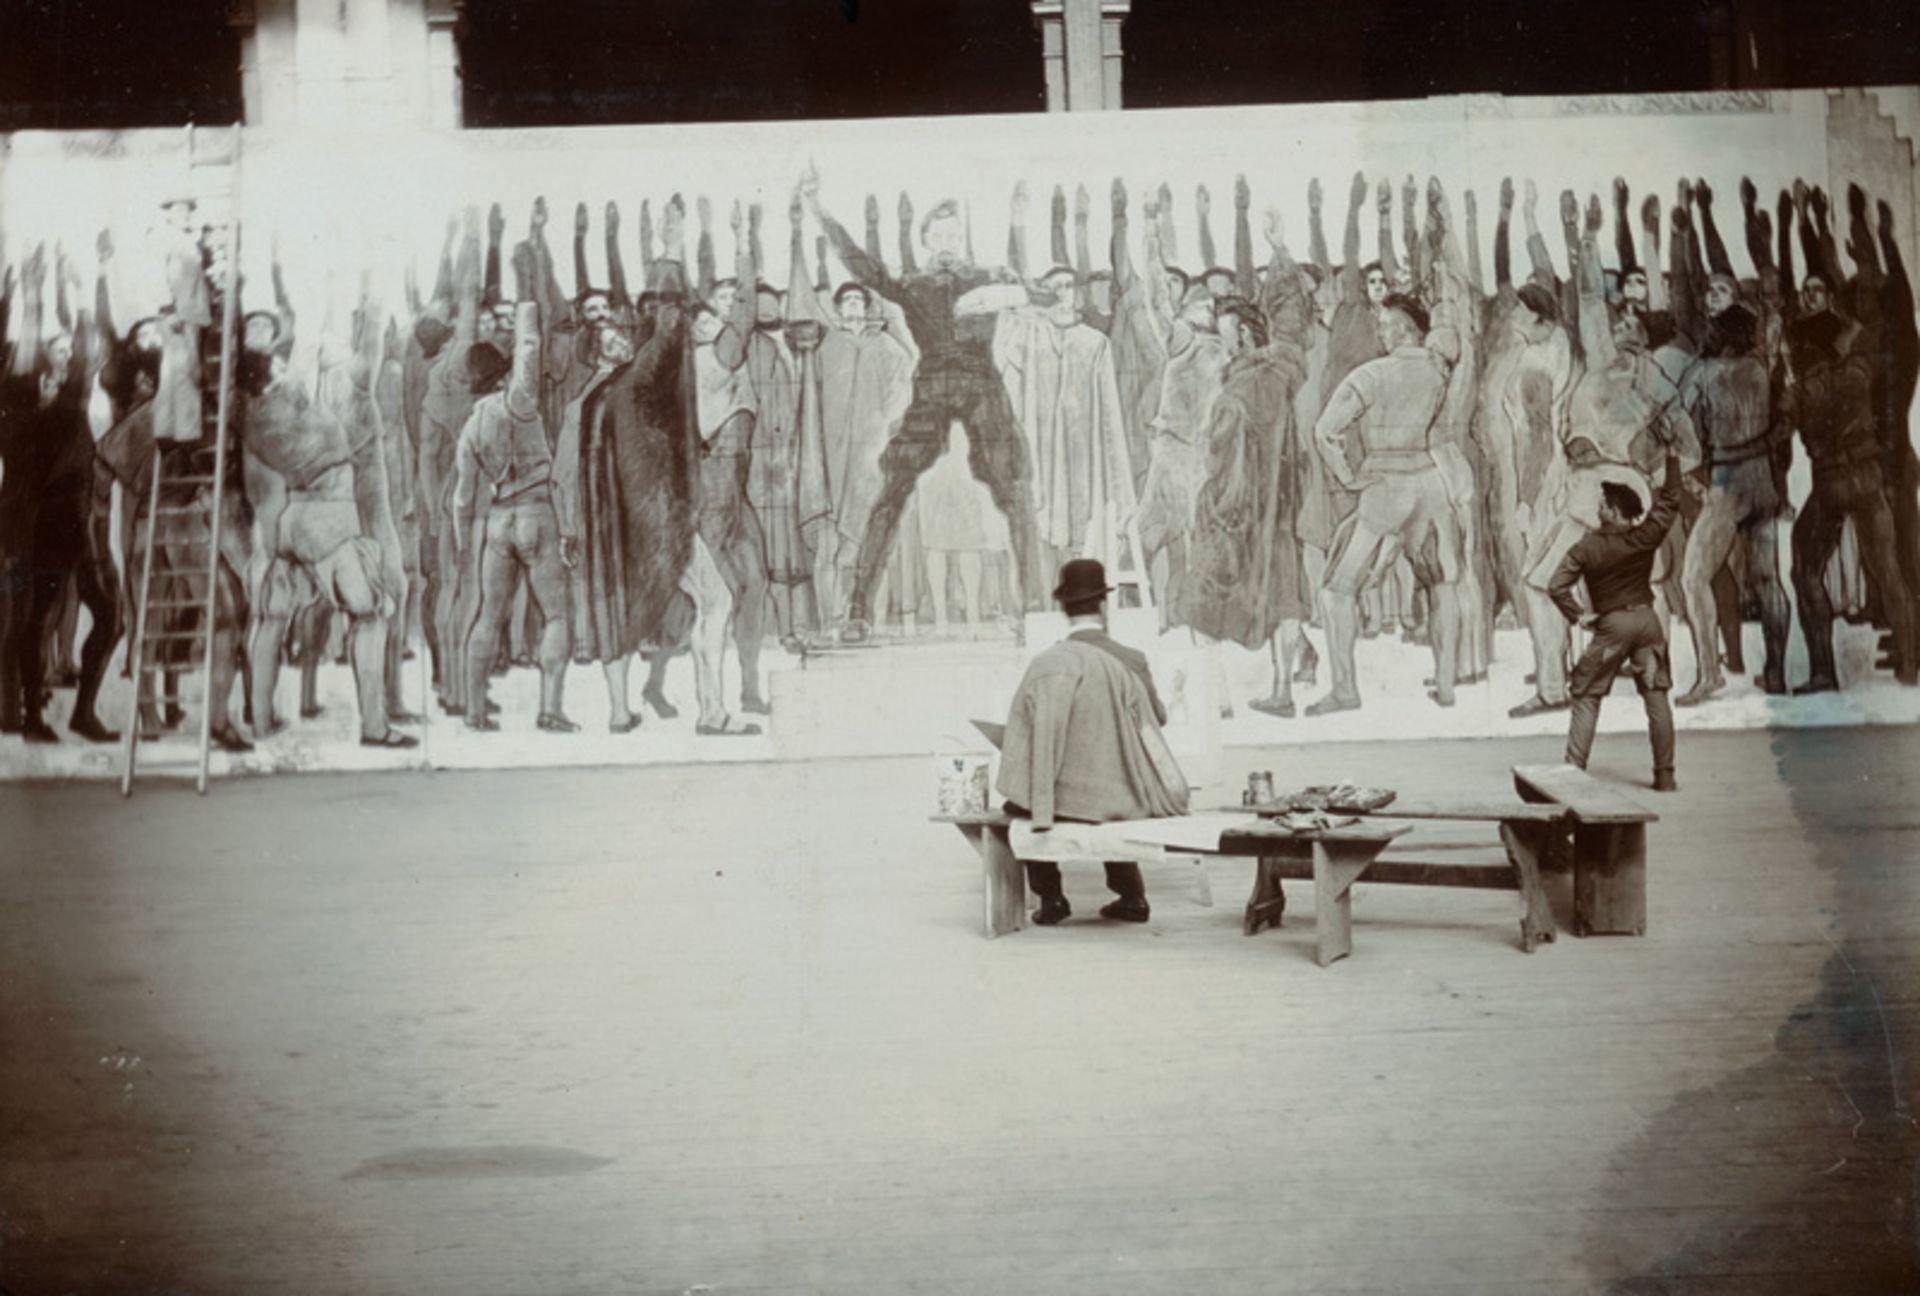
[1138, 840]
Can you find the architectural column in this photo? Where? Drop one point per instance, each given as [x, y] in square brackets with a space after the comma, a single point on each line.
[1080, 44]
[389, 64]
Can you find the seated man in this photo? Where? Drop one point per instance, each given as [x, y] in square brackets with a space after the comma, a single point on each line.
[1083, 746]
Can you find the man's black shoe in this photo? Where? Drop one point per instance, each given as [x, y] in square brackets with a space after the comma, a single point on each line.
[1053, 911]
[1126, 910]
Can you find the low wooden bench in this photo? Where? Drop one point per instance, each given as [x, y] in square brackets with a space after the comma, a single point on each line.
[1528, 838]
[1608, 846]
[1333, 860]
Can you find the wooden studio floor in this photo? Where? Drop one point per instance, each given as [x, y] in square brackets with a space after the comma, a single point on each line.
[732, 1030]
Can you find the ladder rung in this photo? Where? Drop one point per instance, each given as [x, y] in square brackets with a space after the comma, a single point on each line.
[196, 479]
[184, 510]
[173, 636]
[158, 604]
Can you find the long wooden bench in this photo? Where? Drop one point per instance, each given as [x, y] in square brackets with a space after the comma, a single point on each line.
[1608, 846]
[1530, 841]
[1333, 860]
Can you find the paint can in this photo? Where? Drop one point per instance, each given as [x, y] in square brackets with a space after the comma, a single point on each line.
[1259, 788]
[962, 785]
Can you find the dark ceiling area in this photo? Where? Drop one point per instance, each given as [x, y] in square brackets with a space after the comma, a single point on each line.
[67, 64]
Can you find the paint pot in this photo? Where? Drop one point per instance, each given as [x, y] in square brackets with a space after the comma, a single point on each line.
[1260, 788]
[961, 785]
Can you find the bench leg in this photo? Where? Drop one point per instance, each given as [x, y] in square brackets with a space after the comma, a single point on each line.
[1202, 884]
[1005, 880]
[1525, 844]
[1268, 903]
[1610, 879]
[1336, 867]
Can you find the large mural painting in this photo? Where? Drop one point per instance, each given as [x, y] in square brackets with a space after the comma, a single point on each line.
[756, 442]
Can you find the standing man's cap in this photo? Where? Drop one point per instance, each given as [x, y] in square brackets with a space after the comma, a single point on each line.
[1082, 579]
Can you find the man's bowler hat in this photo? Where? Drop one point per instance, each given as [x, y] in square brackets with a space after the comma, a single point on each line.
[1082, 580]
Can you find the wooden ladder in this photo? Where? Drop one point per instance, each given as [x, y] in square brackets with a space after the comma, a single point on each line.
[204, 483]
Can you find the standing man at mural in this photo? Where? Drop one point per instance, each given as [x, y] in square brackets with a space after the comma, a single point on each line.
[867, 360]
[1083, 747]
[1192, 375]
[448, 404]
[956, 379]
[590, 504]
[1727, 393]
[1443, 280]
[1060, 377]
[426, 339]
[727, 412]
[1899, 365]
[1396, 401]
[645, 582]
[1520, 426]
[1139, 355]
[1625, 408]
[774, 476]
[504, 451]
[1616, 563]
[1829, 401]
[124, 448]
[309, 542]
[1248, 582]
[47, 449]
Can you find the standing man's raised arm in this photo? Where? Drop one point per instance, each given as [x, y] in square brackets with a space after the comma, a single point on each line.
[1389, 259]
[1650, 216]
[1717, 260]
[33, 280]
[703, 250]
[1316, 230]
[646, 243]
[496, 229]
[581, 279]
[1082, 246]
[731, 346]
[1759, 230]
[1410, 229]
[62, 273]
[1829, 250]
[1118, 252]
[1543, 269]
[1058, 227]
[873, 227]
[866, 269]
[1244, 270]
[617, 292]
[1503, 239]
[1353, 283]
[523, 382]
[1474, 275]
[466, 293]
[803, 302]
[443, 272]
[1623, 228]
[1203, 212]
[1689, 309]
[905, 216]
[1169, 243]
[102, 294]
[1590, 278]
[1017, 231]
